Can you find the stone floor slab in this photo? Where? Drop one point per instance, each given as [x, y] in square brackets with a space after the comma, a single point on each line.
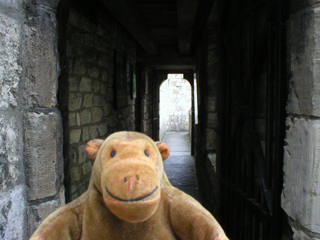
[180, 165]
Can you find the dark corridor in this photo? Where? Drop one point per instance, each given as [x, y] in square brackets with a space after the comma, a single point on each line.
[115, 54]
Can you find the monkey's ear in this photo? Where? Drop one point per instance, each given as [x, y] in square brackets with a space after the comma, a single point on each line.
[93, 147]
[164, 150]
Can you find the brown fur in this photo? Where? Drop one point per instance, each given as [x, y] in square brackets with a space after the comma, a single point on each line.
[130, 197]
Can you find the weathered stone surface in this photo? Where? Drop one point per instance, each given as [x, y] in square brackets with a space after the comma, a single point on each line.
[85, 116]
[89, 40]
[43, 153]
[12, 205]
[72, 119]
[103, 61]
[301, 193]
[50, 4]
[73, 84]
[212, 120]
[93, 72]
[79, 67]
[109, 94]
[301, 235]
[107, 109]
[91, 57]
[85, 85]
[297, 5]
[99, 101]
[103, 88]
[75, 135]
[75, 100]
[88, 100]
[73, 17]
[76, 173]
[105, 76]
[211, 140]
[85, 134]
[82, 154]
[211, 104]
[112, 121]
[97, 114]
[87, 168]
[10, 68]
[43, 65]
[84, 23]
[303, 42]
[37, 213]
[103, 129]
[96, 86]
[93, 132]
[10, 153]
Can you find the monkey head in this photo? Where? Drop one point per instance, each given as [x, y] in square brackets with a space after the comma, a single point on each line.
[129, 174]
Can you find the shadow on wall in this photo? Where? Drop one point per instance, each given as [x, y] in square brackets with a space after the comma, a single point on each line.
[175, 104]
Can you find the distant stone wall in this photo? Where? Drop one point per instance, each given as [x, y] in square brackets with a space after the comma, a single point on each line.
[175, 104]
[92, 50]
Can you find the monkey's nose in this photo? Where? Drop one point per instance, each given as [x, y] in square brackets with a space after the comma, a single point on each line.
[131, 181]
[126, 179]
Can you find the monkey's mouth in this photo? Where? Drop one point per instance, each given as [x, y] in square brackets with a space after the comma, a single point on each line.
[132, 200]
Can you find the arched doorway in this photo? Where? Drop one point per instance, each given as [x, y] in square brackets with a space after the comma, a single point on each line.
[175, 105]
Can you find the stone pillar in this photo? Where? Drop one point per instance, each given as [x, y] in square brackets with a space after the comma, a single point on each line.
[12, 180]
[301, 193]
[43, 155]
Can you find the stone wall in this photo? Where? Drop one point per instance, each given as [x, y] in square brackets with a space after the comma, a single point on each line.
[31, 163]
[42, 121]
[207, 136]
[301, 193]
[33, 131]
[94, 49]
[175, 104]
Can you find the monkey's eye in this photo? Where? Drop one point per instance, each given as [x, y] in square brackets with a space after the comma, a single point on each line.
[146, 153]
[113, 153]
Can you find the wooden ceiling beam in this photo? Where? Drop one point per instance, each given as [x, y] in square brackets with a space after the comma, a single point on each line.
[186, 19]
[128, 15]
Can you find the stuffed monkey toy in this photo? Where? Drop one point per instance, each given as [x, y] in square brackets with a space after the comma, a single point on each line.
[130, 198]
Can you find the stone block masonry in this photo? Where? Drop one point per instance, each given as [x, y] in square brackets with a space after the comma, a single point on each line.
[43, 138]
[301, 191]
[90, 93]
[13, 204]
[31, 163]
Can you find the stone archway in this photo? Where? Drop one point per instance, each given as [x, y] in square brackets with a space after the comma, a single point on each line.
[175, 104]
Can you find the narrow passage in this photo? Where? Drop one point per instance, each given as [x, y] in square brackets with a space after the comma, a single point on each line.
[180, 166]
